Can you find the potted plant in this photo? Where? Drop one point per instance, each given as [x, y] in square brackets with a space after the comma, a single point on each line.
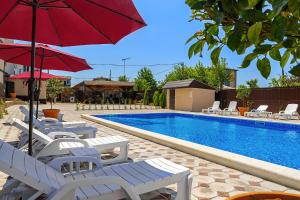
[54, 88]
[13, 94]
[243, 93]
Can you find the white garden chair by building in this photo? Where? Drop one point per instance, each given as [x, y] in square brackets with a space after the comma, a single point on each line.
[214, 109]
[261, 111]
[231, 110]
[290, 112]
[128, 180]
[46, 146]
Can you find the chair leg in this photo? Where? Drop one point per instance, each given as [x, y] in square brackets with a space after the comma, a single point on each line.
[184, 188]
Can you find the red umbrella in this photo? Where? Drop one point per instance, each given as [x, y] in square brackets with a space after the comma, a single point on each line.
[66, 23]
[69, 22]
[45, 56]
[37, 75]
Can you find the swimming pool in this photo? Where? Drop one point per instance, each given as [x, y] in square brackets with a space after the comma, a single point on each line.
[277, 143]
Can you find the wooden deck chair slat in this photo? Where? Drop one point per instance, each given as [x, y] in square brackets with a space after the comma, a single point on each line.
[136, 173]
[150, 168]
[148, 173]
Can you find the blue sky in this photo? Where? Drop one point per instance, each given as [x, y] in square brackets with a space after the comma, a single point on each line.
[162, 41]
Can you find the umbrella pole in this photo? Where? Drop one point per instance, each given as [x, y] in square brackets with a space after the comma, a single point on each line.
[39, 87]
[31, 80]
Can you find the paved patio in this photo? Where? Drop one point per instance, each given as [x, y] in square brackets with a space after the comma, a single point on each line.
[211, 181]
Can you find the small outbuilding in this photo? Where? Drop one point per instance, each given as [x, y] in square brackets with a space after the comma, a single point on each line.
[189, 95]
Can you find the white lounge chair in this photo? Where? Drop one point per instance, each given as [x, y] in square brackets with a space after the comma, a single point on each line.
[108, 183]
[47, 146]
[290, 112]
[261, 111]
[214, 109]
[48, 125]
[231, 110]
[25, 111]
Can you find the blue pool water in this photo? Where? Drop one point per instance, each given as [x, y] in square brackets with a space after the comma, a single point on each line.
[277, 143]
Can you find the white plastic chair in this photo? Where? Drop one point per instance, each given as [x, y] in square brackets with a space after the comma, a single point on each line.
[107, 183]
[290, 112]
[214, 109]
[231, 110]
[261, 111]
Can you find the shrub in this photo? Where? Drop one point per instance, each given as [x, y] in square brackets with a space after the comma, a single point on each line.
[162, 100]
[146, 98]
[156, 98]
[54, 88]
[243, 93]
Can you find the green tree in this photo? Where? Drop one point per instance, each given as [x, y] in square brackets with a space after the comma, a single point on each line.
[217, 75]
[54, 88]
[162, 100]
[181, 72]
[123, 78]
[243, 93]
[261, 29]
[285, 81]
[156, 98]
[253, 83]
[145, 80]
[146, 97]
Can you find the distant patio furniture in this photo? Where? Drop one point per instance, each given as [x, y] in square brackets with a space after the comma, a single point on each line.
[290, 112]
[261, 111]
[214, 109]
[127, 180]
[231, 110]
[47, 145]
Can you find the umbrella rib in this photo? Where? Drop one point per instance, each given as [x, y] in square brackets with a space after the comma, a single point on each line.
[54, 28]
[23, 53]
[8, 12]
[99, 31]
[117, 12]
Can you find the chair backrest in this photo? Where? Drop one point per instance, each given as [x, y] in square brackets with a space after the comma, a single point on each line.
[232, 106]
[262, 108]
[291, 108]
[216, 105]
[28, 170]
[25, 111]
[36, 134]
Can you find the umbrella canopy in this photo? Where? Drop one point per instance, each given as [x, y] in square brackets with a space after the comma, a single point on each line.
[45, 57]
[66, 23]
[69, 22]
[37, 75]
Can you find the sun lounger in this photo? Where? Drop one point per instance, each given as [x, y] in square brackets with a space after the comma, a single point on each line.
[290, 112]
[231, 110]
[261, 111]
[25, 111]
[214, 109]
[46, 146]
[48, 125]
[108, 183]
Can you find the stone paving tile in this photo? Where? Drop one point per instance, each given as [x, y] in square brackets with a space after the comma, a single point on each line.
[211, 180]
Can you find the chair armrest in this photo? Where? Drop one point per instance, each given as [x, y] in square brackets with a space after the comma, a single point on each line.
[71, 186]
[62, 134]
[57, 163]
[61, 140]
[49, 120]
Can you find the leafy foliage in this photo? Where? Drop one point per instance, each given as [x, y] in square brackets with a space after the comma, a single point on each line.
[54, 88]
[145, 80]
[285, 81]
[253, 83]
[146, 97]
[268, 28]
[215, 75]
[243, 93]
[123, 78]
[156, 98]
[162, 100]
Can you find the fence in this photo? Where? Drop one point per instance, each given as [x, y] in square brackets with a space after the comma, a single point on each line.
[276, 98]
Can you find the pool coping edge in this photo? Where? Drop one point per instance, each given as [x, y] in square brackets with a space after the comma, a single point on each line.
[273, 172]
